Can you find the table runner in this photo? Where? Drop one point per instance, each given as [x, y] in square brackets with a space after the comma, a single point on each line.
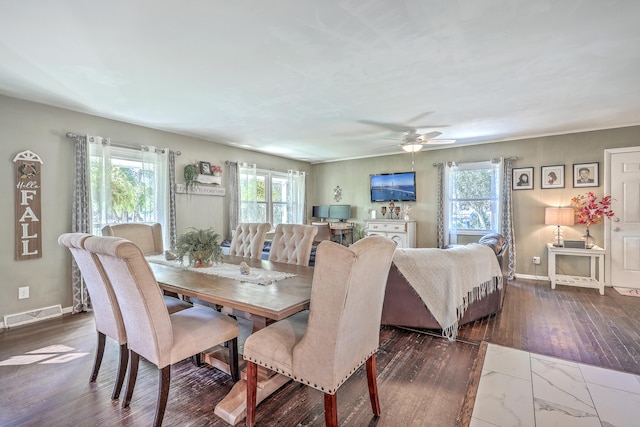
[257, 276]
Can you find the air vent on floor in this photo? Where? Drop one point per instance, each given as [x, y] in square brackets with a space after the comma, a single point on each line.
[32, 316]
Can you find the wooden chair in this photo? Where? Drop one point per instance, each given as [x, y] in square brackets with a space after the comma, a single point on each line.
[292, 243]
[105, 307]
[248, 239]
[152, 333]
[323, 346]
[147, 236]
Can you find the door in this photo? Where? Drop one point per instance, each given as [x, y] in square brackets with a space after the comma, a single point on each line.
[623, 230]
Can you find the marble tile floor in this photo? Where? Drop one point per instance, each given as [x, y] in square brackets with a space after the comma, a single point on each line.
[518, 388]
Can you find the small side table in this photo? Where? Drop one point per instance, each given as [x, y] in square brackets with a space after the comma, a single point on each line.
[595, 281]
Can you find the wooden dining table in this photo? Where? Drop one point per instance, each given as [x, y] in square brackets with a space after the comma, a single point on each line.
[264, 304]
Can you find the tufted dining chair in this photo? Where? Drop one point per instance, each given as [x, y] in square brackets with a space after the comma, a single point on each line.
[323, 346]
[152, 333]
[147, 236]
[324, 231]
[248, 239]
[292, 243]
[106, 311]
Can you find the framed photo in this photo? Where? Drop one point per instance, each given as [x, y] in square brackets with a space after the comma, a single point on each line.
[522, 179]
[552, 176]
[205, 168]
[585, 174]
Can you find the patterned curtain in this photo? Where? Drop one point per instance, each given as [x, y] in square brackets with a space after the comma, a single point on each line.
[440, 207]
[80, 220]
[233, 193]
[507, 215]
[173, 232]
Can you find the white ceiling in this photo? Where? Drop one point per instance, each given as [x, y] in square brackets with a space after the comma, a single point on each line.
[299, 78]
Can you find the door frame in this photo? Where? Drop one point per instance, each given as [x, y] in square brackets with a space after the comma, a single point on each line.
[608, 152]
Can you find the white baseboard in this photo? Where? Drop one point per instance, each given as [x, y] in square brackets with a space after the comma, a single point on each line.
[532, 277]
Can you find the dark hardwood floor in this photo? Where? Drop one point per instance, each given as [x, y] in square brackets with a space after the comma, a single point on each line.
[423, 379]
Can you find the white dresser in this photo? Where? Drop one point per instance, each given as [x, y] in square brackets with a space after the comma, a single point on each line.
[401, 231]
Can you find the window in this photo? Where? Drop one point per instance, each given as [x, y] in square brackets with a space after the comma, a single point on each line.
[473, 198]
[127, 185]
[269, 196]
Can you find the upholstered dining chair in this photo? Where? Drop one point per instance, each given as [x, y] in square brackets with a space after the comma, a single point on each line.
[106, 310]
[323, 346]
[324, 231]
[147, 236]
[292, 243]
[248, 239]
[152, 333]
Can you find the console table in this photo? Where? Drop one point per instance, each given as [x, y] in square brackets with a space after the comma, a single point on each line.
[596, 254]
[401, 231]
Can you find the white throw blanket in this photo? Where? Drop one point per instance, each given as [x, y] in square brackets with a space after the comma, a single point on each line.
[448, 280]
[258, 276]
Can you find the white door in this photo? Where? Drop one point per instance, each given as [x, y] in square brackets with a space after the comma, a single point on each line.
[622, 181]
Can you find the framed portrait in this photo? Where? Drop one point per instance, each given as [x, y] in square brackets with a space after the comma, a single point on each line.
[522, 179]
[552, 176]
[586, 174]
[205, 168]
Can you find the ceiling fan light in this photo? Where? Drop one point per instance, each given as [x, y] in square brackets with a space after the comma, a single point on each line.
[412, 148]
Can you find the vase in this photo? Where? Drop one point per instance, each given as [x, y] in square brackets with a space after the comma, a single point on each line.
[589, 241]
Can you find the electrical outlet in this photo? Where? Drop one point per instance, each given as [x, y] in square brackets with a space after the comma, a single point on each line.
[23, 292]
[536, 260]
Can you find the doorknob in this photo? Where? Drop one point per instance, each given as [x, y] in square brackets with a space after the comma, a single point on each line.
[616, 228]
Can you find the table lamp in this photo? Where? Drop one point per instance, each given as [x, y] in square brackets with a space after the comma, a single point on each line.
[558, 217]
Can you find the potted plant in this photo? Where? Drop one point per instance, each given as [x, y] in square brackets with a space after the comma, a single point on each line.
[190, 175]
[202, 246]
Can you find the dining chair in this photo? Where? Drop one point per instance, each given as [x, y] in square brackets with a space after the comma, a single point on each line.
[292, 243]
[147, 236]
[248, 239]
[323, 346]
[106, 310]
[152, 333]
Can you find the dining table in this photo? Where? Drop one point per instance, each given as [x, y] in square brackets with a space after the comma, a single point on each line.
[266, 292]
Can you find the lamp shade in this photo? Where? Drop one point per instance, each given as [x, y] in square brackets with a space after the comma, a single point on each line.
[559, 216]
[412, 148]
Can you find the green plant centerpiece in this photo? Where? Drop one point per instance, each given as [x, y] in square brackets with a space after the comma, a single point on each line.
[202, 246]
[190, 176]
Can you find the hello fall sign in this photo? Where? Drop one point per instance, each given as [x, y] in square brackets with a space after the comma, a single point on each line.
[28, 167]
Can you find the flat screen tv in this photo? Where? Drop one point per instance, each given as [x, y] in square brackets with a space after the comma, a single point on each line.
[321, 212]
[393, 187]
[340, 212]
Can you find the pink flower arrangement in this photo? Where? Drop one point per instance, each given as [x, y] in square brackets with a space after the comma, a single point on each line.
[589, 210]
[216, 169]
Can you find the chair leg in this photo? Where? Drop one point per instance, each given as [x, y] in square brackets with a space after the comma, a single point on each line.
[330, 410]
[134, 358]
[252, 389]
[196, 359]
[122, 370]
[373, 385]
[233, 359]
[99, 353]
[164, 380]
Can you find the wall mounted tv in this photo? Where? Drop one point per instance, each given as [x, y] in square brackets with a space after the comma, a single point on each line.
[396, 187]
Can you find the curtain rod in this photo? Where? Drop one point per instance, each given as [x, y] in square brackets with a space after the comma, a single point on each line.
[115, 144]
[507, 158]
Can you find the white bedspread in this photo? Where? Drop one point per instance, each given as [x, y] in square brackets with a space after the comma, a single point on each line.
[448, 280]
[258, 276]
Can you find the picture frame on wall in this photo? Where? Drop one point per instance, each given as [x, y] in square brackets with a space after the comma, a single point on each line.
[522, 178]
[205, 168]
[586, 174]
[552, 176]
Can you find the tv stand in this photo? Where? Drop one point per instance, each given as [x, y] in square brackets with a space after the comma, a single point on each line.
[400, 231]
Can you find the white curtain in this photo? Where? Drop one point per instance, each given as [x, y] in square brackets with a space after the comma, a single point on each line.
[155, 161]
[296, 200]
[100, 181]
[248, 193]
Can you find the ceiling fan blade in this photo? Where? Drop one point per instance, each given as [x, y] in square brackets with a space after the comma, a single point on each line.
[430, 135]
[419, 116]
[397, 127]
[439, 141]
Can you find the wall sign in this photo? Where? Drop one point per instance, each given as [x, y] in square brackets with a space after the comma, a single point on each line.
[28, 208]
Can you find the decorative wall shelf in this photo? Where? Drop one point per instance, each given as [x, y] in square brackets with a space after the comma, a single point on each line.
[200, 190]
[209, 179]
